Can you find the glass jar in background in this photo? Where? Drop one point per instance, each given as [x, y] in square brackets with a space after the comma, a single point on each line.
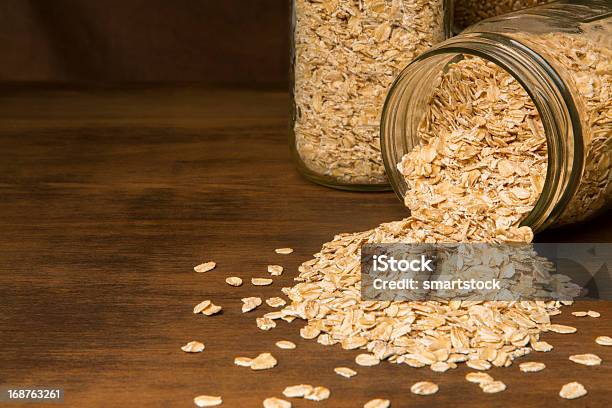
[345, 55]
[468, 12]
[561, 54]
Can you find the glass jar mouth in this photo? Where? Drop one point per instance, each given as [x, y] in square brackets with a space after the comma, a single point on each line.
[554, 102]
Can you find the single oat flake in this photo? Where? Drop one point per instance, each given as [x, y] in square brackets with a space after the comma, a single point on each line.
[274, 402]
[205, 267]
[572, 390]
[367, 360]
[561, 328]
[275, 270]
[586, 359]
[345, 372]
[276, 302]
[592, 313]
[424, 388]
[233, 281]
[377, 403]
[264, 361]
[207, 308]
[207, 401]
[250, 303]
[283, 251]
[493, 387]
[265, 324]
[579, 314]
[531, 367]
[193, 347]
[297, 391]
[261, 281]
[604, 340]
[243, 361]
[318, 393]
[285, 344]
[479, 378]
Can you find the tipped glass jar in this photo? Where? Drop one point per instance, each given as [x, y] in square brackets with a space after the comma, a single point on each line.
[345, 55]
[561, 55]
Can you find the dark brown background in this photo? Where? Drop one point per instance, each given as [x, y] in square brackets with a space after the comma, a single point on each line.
[207, 41]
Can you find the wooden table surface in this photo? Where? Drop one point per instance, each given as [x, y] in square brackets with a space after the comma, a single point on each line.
[109, 197]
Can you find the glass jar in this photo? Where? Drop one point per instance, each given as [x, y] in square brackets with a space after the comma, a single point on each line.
[345, 55]
[561, 54]
[468, 12]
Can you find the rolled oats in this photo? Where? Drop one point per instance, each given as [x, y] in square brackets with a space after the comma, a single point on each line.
[261, 281]
[318, 393]
[250, 303]
[205, 267]
[264, 361]
[493, 387]
[592, 313]
[345, 372]
[367, 360]
[579, 314]
[275, 270]
[561, 328]
[604, 340]
[207, 307]
[265, 323]
[479, 378]
[284, 251]
[243, 361]
[297, 391]
[377, 403]
[572, 390]
[309, 332]
[193, 347]
[233, 281]
[276, 302]
[424, 388]
[478, 364]
[285, 344]
[586, 359]
[207, 401]
[274, 402]
[531, 367]
[347, 53]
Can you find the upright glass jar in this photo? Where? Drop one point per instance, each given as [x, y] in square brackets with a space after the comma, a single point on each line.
[561, 54]
[345, 55]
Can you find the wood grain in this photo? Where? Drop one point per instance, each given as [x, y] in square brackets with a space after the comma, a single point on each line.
[109, 197]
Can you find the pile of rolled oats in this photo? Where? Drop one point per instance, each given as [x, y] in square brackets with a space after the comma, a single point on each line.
[479, 169]
[347, 53]
[468, 12]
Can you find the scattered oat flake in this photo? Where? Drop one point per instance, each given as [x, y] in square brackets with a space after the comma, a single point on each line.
[572, 390]
[283, 251]
[479, 378]
[345, 372]
[441, 366]
[261, 281]
[377, 403]
[275, 270]
[560, 328]
[211, 310]
[424, 388]
[309, 332]
[285, 344]
[542, 346]
[263, 361]
[367, 360]
[201, 306]
[193, 347]
[579, 314]
[233, 281]
[205, 267]
[593, 313]
[493, 387]
[276, 302]
[250, 303]
[297, 391]
[265, 324]
[532, 367]
[604, 340]
[586, 359]
[207, 401]
[274, 402]
[318, 393]
[243, 361]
